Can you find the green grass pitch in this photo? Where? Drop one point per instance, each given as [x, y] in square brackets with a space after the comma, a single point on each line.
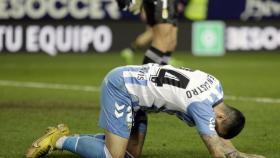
[26, 112]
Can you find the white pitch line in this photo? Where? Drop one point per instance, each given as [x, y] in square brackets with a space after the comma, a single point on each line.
[254, 99]
[42, 85]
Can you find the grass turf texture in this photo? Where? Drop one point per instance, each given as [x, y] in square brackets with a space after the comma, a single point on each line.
[26, 112]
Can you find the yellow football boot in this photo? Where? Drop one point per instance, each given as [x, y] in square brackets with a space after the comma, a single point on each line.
[46, 144]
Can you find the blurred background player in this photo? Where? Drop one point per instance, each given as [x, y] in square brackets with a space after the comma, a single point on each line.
[141, 41]
[161, 17]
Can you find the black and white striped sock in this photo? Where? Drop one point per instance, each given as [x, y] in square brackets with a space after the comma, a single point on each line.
[165, 58]
[153, 55]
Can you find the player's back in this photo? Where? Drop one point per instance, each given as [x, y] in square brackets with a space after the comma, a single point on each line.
[166, 88]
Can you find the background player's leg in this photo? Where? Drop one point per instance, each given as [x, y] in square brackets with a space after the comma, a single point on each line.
[164, 41]
[163, 36]
[173, 39]
[153, 55]
[143, 39]
[162, 16]
[172, 46]
[140, 42]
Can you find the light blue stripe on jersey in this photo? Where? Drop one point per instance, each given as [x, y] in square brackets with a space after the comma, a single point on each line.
[215, 99]
[133, 80]
[134, 68]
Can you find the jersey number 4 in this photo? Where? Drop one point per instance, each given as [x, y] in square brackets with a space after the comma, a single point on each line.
[170, 77]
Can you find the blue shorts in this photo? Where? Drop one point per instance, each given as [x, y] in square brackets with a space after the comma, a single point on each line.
[116, 113]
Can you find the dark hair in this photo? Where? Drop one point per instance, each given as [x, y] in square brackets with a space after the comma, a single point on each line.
[234, 123]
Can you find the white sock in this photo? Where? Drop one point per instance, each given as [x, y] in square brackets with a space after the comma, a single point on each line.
[59, 142]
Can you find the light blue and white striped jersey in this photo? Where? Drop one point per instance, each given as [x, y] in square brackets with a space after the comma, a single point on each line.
[189, 94]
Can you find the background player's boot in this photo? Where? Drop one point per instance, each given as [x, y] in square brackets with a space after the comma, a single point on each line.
[46, 143]
[127, 54]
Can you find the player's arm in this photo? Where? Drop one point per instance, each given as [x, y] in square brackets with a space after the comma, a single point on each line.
[229, 144]
[221, 148]
[216, 147]
[138, 133]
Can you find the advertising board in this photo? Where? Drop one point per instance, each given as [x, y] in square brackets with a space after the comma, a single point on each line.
[244, 10]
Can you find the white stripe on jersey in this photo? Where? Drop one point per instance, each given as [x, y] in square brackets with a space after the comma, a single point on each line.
[130, 74]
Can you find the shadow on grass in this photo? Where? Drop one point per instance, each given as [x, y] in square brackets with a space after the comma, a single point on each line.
[62, 155]
[176, 154]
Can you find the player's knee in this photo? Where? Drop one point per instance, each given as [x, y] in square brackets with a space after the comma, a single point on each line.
[112, 154]
[107, 152]
[115, 144]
